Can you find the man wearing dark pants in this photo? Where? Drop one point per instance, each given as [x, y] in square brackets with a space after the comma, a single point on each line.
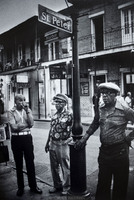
[21, 120]
[112, 117]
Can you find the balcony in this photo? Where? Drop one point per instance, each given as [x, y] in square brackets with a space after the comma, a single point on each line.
[110, 39]
[17, 64]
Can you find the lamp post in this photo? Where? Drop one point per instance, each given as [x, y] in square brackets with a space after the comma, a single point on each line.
[77, 157]
[45, 91]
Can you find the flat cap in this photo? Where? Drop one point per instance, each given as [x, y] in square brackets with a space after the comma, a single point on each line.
[129, 93]
[110, 86]
[61, 98]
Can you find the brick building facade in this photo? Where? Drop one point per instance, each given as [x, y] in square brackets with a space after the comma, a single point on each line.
[106, 45]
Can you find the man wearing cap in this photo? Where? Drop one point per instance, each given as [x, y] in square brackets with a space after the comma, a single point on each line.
[112, 118]
[57, 144]
[21, 120]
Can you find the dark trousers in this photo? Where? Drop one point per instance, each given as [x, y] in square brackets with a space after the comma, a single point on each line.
[113, 165]
[22, 146]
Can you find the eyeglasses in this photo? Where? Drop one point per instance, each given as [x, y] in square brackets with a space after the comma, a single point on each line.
[57, 103]
[106, 92]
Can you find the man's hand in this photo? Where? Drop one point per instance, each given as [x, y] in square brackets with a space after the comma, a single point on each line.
[25, 107]
[129, 138]
[80, 143]
[21, 126]
[47, 147]
[68, 140]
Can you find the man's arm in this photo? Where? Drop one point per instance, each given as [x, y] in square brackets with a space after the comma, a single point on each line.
[47, 143]
[93, 127]
[30, 120]
[130, 137]
[18, 127]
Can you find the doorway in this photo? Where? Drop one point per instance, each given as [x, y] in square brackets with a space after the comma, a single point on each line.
[129, 85]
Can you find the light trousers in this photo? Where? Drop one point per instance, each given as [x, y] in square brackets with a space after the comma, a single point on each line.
[60, 166]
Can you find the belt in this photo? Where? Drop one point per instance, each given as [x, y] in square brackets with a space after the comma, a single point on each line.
[59, 142]
[59, 139]
[22, 133]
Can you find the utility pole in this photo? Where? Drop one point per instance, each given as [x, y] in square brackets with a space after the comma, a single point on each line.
[77, 157]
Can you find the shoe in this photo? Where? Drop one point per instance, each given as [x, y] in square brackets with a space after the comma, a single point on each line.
[20, 192]
[54, 190]
[64, 193]
[36, 190]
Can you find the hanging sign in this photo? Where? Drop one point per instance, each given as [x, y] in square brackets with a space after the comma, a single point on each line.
[54, 19]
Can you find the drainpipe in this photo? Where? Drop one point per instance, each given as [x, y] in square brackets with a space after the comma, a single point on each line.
[45, 92]
[38, 92]
[131, 66]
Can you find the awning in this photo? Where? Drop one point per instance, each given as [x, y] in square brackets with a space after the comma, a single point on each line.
[15, 71]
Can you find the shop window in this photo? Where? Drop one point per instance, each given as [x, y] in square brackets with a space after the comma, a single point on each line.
[84, 88]
[129, 83]
[98, 79]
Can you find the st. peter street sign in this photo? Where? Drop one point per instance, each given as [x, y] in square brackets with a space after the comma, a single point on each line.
[54, 19]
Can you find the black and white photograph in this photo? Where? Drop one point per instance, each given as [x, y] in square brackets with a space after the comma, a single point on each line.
[67, 99]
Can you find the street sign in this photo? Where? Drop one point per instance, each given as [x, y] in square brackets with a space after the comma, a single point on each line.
[54, 19]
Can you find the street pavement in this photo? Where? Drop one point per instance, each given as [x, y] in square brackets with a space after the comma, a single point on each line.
[8, 182]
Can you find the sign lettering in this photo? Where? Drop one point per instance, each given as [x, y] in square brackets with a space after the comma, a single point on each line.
[54, 19]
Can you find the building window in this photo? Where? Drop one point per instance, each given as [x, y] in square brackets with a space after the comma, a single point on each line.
[53, 50]
[66, 47]
[32, 52]
[127, 25]
[20, 56]
[37, 50]
[9, 55]
[97, 33]
[9, 92]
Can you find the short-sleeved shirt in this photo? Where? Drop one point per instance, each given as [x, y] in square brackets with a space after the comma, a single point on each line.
[15, 117]
[112, 122]
[60, 127]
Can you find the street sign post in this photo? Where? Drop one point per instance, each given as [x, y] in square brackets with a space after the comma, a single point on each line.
[54, 19]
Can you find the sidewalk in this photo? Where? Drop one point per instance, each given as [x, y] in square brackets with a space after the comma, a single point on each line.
[8, 182]
[8, 186]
